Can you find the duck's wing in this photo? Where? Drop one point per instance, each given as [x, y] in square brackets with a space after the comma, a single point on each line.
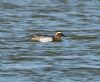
[37, 37]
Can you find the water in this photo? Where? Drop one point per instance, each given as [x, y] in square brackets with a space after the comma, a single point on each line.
[75, 59]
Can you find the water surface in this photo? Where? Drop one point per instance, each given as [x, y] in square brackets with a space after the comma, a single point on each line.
[75, 59]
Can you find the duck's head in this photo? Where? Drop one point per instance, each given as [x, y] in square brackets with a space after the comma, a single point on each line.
[59, 35]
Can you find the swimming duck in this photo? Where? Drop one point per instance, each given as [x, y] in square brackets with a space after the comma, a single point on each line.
[55, 38]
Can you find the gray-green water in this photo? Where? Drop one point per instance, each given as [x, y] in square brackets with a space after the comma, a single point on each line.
[75, 59]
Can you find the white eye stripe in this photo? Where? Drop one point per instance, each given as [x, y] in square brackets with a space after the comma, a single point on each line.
[58, 32]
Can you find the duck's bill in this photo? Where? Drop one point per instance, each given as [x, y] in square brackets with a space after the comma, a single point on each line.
[64, 35]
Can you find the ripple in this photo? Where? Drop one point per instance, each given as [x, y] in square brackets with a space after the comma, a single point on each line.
[9, 6]
[76, 58]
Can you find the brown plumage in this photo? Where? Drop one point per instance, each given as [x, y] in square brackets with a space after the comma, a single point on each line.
[56, 37]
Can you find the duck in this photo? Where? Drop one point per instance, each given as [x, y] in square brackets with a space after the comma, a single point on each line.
[56, 38]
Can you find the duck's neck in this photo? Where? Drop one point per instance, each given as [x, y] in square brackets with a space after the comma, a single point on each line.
[57, 39]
